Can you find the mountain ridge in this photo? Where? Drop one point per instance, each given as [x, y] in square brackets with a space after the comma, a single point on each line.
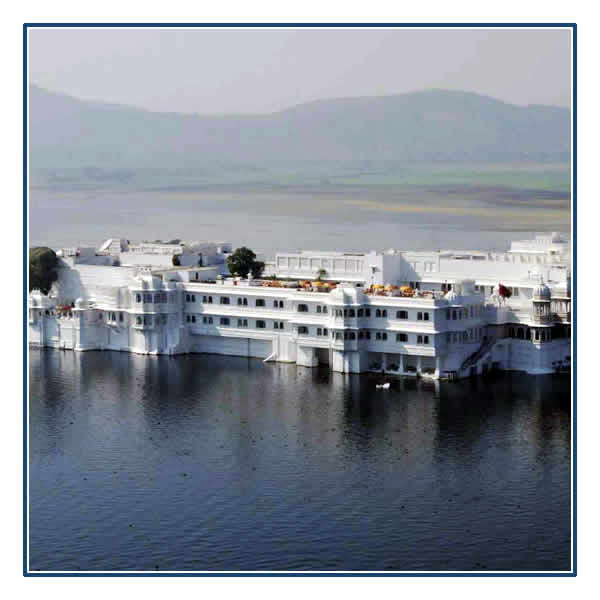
[423, 126]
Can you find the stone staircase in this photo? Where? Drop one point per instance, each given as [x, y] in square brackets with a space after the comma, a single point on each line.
[479, 353]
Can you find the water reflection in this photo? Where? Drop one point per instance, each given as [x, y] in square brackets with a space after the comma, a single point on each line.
[228, 463]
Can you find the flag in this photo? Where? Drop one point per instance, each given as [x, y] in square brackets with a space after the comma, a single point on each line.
[504, 291]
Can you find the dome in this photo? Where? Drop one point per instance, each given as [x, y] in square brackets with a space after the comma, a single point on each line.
[541, 292]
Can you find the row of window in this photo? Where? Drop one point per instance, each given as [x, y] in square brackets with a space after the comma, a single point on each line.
[366, 335]
[156, 298]
[379, 313]
[226, 322]
[258, 302]
[454, 314]
[149, 319]
[524, 333]
[456, 337]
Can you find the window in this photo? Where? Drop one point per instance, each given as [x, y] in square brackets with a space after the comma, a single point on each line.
[401, 337]
[378, 313]
[324, 309]
[210, 299]
[239, 301]
[384, 336]
[148, 298]
[138, 320]
[138, 297]
[426, 316]
[245, 302]
[454, 315]
[378, 336]
[205, 299]
[360, 335]
[368, 335]
[367, 312]
[360, 312]
[194, 298]
[260, 302]
[422, 339]
[193, 318]
[338, 335]
[157, 298]
[224, 300]
[419, 316]
[352, 335]
[121, 317]
[302, 330]
[187, 298]
[275, 303]
[224, 321]
[324, 330]
[384, 313]
[205, 320]
[100, 316]
[426, 339]
[210, 320]
[280, 324]
[260, 324]
[242, 323]
[319, 331]
[318, 308]
[302, 308]
[402, 314]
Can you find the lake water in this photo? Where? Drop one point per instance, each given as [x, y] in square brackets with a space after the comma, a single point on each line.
[219, 463]
[270, 219]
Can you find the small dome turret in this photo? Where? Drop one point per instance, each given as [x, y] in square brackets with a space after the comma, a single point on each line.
[541, 292]
[451, 297]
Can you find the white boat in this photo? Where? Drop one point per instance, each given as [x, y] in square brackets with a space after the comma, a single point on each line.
[383, 386]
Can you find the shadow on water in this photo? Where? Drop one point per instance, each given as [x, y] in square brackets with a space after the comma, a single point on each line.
[204, 462]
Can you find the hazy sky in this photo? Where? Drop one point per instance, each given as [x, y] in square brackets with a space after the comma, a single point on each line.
[263, 70]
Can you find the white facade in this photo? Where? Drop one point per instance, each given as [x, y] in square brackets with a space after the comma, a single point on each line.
[454, 326]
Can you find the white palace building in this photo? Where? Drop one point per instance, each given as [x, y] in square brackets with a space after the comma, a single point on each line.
[438, 314]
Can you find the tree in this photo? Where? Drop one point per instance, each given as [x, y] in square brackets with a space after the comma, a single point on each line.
[42, 269]
[243, 261]
[175, 260]
[257, 268]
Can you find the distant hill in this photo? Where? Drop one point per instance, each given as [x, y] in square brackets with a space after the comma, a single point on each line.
[434, 126]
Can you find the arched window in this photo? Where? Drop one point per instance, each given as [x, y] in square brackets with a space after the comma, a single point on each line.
[351, 312]
[239, 301]
[138, 297]
[245, 303]
[520, 333]
[384, 313]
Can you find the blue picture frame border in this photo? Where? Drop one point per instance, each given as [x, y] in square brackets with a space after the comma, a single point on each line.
[573, 572]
